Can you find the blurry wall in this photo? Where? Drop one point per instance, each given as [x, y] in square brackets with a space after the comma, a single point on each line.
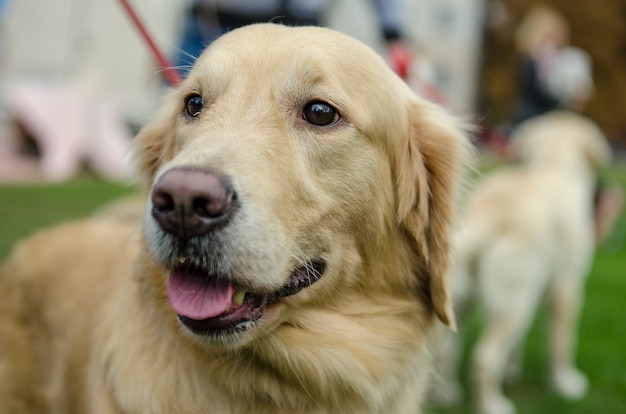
[91, 42]
[448, 32]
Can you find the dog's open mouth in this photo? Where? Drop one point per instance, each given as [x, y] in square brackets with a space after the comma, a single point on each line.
[207, 305]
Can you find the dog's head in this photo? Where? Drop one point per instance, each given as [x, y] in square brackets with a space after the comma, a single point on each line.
[562, 139]
[293, 170]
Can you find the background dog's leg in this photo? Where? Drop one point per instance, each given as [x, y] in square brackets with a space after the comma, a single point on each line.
[447, 390]
[565, 299]
[510, 295]
[515, 364]
[490, 358]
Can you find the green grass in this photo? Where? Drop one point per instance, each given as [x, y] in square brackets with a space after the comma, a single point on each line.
[602, 345]
[25, 208]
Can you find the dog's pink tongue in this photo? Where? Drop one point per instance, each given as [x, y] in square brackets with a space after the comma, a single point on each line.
[198, 298]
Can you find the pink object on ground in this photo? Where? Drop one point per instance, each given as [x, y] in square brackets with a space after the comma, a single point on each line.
[71, 128]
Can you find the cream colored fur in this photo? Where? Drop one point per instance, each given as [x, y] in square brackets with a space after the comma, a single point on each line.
[85, 324]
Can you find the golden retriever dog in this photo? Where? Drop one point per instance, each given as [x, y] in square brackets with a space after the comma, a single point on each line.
[292, 257]
[528, 235]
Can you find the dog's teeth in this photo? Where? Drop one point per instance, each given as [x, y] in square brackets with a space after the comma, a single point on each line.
[182, 259]
[238, 297]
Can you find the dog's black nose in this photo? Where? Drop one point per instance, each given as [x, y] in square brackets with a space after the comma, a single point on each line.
[192, 201]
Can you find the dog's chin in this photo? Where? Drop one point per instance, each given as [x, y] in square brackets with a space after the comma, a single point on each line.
[214, 310]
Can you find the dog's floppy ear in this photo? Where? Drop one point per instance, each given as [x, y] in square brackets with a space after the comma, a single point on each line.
[155, 143]
[431, 168]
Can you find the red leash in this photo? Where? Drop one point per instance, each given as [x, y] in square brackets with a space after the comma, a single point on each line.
[170, 74]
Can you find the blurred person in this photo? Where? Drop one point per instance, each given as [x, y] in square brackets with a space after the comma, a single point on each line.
[207, 19]
[554, 75]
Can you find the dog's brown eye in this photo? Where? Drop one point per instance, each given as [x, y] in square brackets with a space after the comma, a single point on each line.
[320, 113]
[194, 105]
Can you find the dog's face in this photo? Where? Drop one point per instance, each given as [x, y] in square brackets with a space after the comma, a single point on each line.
[293, 171]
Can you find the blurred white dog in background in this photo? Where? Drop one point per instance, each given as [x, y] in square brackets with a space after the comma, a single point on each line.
[528, 235]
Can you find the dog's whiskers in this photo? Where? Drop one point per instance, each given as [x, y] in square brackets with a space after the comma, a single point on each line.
[311, 272]
[193, 58]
